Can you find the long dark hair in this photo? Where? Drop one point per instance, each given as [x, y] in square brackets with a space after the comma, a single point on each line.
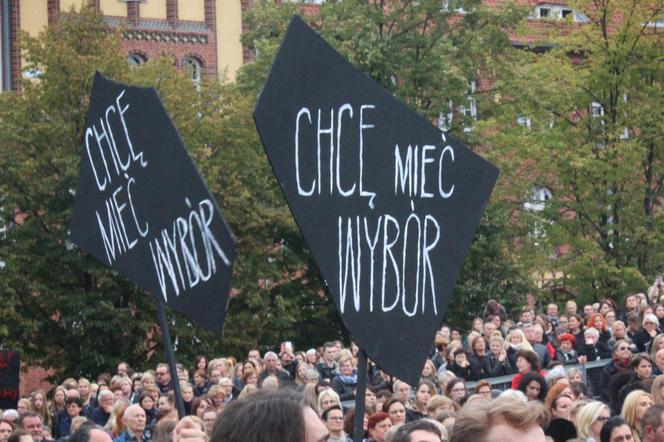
[534, 376]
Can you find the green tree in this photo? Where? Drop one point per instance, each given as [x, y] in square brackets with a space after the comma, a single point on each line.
[67, 311]
[594, 100]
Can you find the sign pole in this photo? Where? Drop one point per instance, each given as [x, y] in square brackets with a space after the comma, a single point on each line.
[360, 396]
[171, 357]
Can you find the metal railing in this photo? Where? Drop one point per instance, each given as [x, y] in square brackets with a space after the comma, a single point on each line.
[591, 373]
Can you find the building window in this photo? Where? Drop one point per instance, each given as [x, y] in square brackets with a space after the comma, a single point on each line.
[538, 198]
[558, 12]
[136, 60]
[445, 118]
[596, 110]
[469, 108]
[193, 68]
[524, 121]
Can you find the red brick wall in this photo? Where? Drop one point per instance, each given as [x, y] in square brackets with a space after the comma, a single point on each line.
[206, 52]
[34, 378]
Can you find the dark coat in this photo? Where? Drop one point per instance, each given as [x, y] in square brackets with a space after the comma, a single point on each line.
[611, 369]
[568, 358]
[346, 391]
[480, 367]
[497, 368]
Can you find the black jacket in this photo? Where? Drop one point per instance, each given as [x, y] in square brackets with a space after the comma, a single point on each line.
[346, 391]
[479, 367]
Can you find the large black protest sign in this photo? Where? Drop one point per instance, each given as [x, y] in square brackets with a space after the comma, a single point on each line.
[388, 204]
[142, 207]
[10, 365]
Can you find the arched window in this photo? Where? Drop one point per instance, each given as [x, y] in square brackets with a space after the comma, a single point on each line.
[135, 59]
[193, 68]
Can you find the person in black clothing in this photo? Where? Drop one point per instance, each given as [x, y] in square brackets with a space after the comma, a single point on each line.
[101, 414]
[622, 358]
[479, 360]
[566, 352]
[498, 364]
[328, 367]
[345, 381]
[200, 382]
[643, 339]
[592, 349]
[271, 369]
[460, 365]
[146, 401]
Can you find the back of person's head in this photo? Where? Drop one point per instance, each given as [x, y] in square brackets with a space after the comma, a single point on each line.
[404, 431]
[163, 430]
[17, 435]
[82, 433]
[262, 417]
[474, 421]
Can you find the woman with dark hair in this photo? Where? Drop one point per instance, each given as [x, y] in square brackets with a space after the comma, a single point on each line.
[425, 391]
[616, 428]
[200, 382]
[146, 401]
[480, 366]
[396, 411]
[460, 365]
[456, 390]
[526, 362]
[201, 404]
[533, 385]
[277, 416]
[200, 364]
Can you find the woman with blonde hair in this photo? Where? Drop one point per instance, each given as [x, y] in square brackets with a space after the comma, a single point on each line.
[84, 391]
[657, 390]
[590, 420]
[429, 371]
[247, 390]
[326, 399]
[635, 406]
[310, 396]
[516, 340]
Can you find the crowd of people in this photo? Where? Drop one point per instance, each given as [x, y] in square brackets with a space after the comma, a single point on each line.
[541, 351]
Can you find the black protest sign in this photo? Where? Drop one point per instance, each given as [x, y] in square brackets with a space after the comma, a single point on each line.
[142, 207]
[387, 203]
[10, 365]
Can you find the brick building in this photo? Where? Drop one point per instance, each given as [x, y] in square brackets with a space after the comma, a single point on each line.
[202, 35]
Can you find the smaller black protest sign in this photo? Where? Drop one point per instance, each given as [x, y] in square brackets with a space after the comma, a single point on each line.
[10, 366]
[142, 207]
[387, 203]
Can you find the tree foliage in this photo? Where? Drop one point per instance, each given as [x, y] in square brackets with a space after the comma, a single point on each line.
[65, 310]
[427, 56]
[595, 102]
